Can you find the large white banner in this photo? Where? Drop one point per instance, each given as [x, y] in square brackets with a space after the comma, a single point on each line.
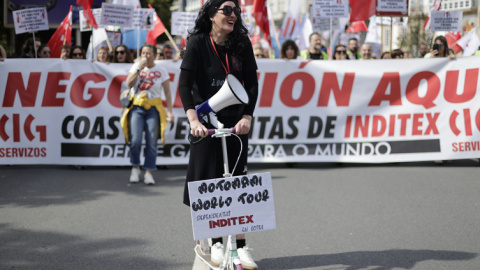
[67, 112]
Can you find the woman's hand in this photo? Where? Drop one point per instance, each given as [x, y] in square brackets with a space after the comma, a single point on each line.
[243, 126]
[198, 129]
[433, 53]
[170, 116]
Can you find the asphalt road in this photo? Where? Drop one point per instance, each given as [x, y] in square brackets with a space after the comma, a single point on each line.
[329, 216]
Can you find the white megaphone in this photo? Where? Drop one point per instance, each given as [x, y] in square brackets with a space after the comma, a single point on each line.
[231, 93]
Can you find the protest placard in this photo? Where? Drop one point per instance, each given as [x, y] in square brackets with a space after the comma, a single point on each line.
[182, 22]
[232, 205]
[117, 15]
[30, 20]
[330, 8]
[321, 24]
[392, 6]
[446, 20]
[84, 25]
[143, 18]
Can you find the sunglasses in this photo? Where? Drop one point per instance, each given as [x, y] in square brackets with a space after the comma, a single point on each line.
[120, 52]
[341, 52]
[77, 54]
[47, 52]
[227, 10]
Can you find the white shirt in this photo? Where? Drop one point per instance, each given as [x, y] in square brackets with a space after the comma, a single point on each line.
[150, 80]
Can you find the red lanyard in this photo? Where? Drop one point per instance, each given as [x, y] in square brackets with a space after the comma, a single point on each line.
[227, 69]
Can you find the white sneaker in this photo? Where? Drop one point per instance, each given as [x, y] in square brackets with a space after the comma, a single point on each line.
[135, 175]
[217, 254]
[246, 258]
[148, 179]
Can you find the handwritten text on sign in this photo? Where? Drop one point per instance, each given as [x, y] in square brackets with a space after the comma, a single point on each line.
[117, 15]
[30, 20]
[447, 20]
[232, 205]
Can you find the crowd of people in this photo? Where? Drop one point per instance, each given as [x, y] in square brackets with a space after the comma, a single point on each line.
[119, 54]
[288, 50]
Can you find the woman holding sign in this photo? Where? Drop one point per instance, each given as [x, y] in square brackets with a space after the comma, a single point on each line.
[218, 45]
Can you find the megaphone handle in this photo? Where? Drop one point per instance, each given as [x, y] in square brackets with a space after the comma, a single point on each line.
[224, 130]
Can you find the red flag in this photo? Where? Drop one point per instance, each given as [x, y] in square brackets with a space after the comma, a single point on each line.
[261, 18]
[362, 10]
[87, 12]
[158, 29]
[356, 27]
[62, 36]
[452, 38]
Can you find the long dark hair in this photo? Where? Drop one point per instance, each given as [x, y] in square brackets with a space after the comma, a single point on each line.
[203, 24]
[444, 41]
[289, 43]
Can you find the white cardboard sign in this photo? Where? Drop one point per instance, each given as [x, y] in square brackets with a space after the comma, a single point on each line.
[446, 21]
[232, 205]
[392, 6]
[117, 15]
[143, 18]
[182, 22]
[30, 20]
[84, 25]
[330, 8]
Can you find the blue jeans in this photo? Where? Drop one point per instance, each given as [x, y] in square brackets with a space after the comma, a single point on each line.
[148, 120]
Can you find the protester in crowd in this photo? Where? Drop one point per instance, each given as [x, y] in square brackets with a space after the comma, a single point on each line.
[103, 55]
[122, 55]
[366, 51]
[65, 52]
[217, 47]
[340, 53]
[257, 45]
[147, 112]
[386, 55]
[160, 55]
[43, 51]
[258, 53]
[440, 49]
[167, 52]
[267, 54]
[3, 53]
[315, 51]
[397, 54]
[289, 50]
[352, 52]
[77, 52]
[423, 50]
[29, 47]
[407, 55]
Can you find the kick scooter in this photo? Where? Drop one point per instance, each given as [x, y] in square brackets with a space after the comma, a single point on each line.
[231, 261]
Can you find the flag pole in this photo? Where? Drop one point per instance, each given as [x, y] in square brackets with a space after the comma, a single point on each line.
[171, 40]
[138, 42]
[34, 44]
[391, 35]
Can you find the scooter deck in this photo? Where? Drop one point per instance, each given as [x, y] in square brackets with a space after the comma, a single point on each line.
[205, 258]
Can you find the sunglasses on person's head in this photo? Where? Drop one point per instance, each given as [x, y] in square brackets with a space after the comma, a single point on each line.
[227, 10]
[77, 54]
[341, 51]
[120, 52]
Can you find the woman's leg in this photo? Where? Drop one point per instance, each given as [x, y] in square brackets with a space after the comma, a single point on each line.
[152, 121]
[137, 124]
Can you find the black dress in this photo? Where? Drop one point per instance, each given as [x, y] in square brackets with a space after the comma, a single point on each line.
[201, 77]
